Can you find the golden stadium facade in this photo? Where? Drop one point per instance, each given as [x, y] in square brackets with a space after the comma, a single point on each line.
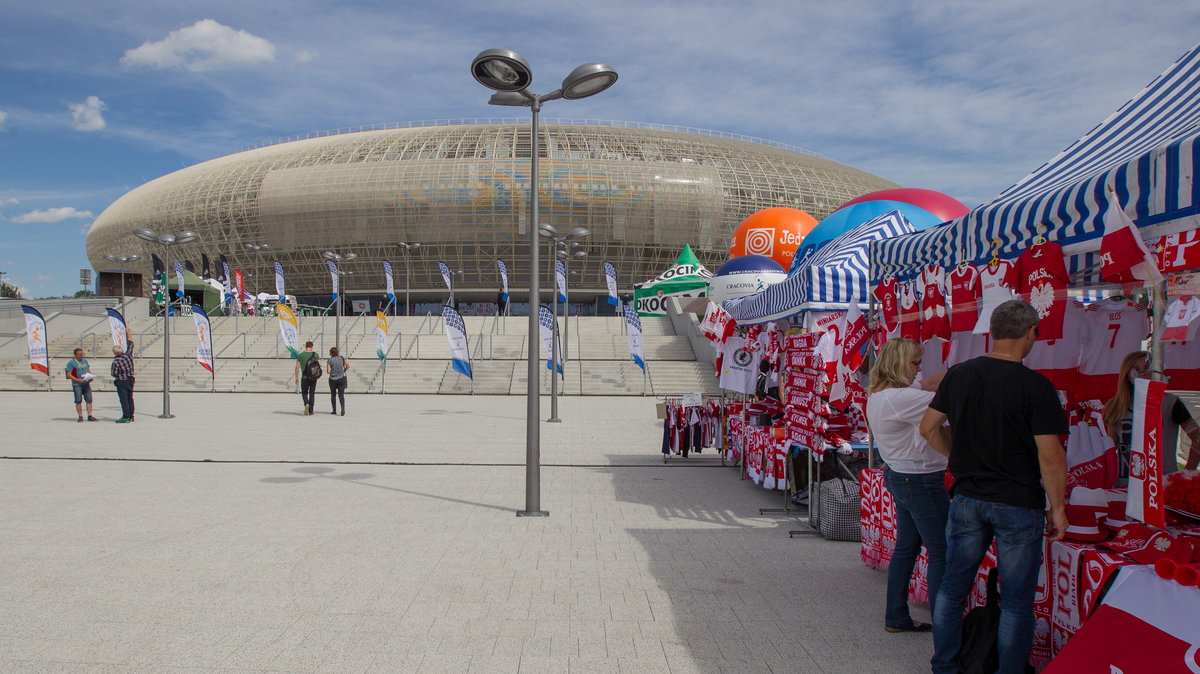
[461, 190]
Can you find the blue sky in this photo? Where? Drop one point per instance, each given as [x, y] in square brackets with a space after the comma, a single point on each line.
[960, 97]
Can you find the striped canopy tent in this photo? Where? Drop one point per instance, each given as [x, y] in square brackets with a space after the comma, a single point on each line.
[828, 281]
[1147, 151]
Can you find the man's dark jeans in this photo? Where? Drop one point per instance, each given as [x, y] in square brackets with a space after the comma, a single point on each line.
[125, 395]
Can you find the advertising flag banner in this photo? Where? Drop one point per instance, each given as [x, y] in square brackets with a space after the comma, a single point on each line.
[178, 278]
[333, 277]
[446, 276]
[159, 267]
[227, 281]
[503, 280]
[204, 350]
[187, 264]
[289, 327]
[1124, 256]
[635, 337]
[381, 335]
[205, 267]
[547, 327]
[456, 335]
[1145, 497]
[610, 277]
[120, 333]
[239, 284]
[387, 279]
[560, 279]
[279, 287]
[35, 337]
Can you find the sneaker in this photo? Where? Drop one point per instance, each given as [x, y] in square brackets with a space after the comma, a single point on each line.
[124, 420]
[343, 411]
[80, 420]
[92, 419]
[307, 411]
[333, 412]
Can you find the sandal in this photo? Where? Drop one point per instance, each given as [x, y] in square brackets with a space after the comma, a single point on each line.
[911, 627]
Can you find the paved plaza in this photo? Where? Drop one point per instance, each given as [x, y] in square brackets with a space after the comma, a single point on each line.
[243, 536]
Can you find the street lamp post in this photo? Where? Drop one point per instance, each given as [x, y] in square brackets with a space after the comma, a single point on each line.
[556, 239]
[507, 73]
[166, 240]
[257, 249]
[409, 247]
[566, 254]
[122, 260]
[337, 322]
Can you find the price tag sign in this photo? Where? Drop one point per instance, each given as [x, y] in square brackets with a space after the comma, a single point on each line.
[692, 400]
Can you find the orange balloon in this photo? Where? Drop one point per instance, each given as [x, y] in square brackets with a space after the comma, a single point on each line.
[773, 232]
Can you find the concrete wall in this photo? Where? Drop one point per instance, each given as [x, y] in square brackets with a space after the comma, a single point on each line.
[686, 324]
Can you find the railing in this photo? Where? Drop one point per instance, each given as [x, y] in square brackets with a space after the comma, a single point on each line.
[231, 343]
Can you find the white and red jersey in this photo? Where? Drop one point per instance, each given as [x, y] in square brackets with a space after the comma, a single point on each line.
[1114, 329]
[1181, 319]
[1182, 361]
[1179, 251]
[994, 290]
[964, 297]
[966, 345]
[910, 312]
[1040, 275]
[1059, 359]
[885, 292]
[935, 319]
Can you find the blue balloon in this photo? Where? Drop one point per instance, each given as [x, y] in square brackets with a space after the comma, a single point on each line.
[845, 219]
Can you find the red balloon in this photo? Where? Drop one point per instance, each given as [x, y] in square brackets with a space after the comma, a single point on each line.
[772, 232]
[944, 206]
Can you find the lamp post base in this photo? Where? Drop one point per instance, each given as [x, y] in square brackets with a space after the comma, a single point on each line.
[533, 513]
[554, 420]
[166, 416]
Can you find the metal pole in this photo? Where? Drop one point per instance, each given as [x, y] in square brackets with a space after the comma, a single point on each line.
[407, 284]
[337, 322]
[567, 309]
[1158, 305]
[166, 413]
[533, 460]
[554, 336]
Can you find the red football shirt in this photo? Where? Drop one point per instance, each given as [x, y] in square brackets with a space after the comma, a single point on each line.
[1040, 275]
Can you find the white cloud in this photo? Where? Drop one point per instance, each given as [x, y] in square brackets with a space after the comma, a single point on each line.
[88, 115]
[304, 56]
[204, 45]
[3, 118]
[53, 215]
[9, 201]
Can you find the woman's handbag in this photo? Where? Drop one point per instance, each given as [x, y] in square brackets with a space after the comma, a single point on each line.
[838, 513]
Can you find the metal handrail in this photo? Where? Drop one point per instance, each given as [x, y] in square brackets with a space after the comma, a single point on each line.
[428, 317]
[231, 343]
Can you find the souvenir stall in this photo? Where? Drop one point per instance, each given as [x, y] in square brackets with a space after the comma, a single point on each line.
[1105, 218]
[819, 407]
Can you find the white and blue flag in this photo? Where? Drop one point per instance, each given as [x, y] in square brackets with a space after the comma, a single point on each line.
[279, 288]
[387, 277]
[227, 280]
[560, 279]
[548, 328]
[503, 280]
[456, 335]
[610, 277]
[178, 278]
[120, 332]
[333, 277]
[635, 336]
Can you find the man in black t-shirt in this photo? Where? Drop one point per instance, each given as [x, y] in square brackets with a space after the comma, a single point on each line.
[1007, 461]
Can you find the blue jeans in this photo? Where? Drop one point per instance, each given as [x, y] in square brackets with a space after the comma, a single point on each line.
[921, 510]
[1018, 534]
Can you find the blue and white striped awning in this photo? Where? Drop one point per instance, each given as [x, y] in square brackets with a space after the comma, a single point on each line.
[1147, 150]
[828, 281]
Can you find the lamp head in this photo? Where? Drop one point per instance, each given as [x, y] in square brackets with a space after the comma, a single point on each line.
[348, 256]
[588, 79]
[578, 233]
[547, 230]
[146, 234]
[329, 255]
[579, 254]
[501, 70]
[187, 236]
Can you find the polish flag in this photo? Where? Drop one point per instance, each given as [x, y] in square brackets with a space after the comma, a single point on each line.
[854, 334]
[1124, 257]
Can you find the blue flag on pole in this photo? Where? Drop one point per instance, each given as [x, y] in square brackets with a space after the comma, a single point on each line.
[560, 279]
[456, 335]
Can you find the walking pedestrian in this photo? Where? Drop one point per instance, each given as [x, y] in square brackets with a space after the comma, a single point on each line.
[122, 374]
[305, 378]
[1007, 461]
[336, 367]
[79, 371]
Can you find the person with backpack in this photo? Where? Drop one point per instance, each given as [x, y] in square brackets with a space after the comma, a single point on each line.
[308, 371]
[336, 366]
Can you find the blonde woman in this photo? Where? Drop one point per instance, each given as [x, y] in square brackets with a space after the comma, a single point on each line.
[914, 475]
[1118, 418]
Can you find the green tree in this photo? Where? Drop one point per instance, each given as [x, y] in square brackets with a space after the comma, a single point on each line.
[9, 290]
[85, 293]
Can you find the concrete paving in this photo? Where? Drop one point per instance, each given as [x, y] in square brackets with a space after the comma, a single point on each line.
[242, 536]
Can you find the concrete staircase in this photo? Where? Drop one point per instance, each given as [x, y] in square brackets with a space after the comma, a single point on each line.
[251, 358]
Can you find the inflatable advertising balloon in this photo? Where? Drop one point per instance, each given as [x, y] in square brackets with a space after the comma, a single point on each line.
[943, 206]
[773, 233]
[743, 276]
[847, 218]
